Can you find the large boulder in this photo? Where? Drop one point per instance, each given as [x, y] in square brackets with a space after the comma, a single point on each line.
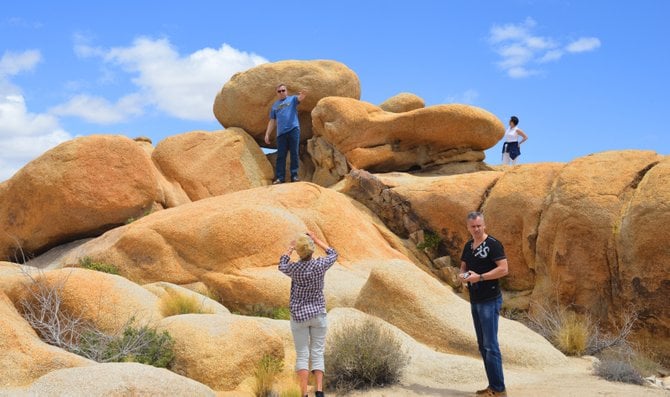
[232, 243]
[403, 102]
[379, 141]
[643, 249]
[207, 164]
[576, 258]
[220, 350]
[24, 356]
[79, 188]
[245, 100]
[116, 379]
[514, 206]
[434, 315]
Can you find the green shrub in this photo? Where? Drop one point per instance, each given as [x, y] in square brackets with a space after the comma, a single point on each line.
[430, 241]
[172, 304]
[616, 370]
[265, 375]
[277, 313]
[364, 355]
[87, 263]
[143, 345]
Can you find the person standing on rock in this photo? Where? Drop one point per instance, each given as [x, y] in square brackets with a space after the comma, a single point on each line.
[483, 262]
[284, 120]
[307, 305]
[512, 147]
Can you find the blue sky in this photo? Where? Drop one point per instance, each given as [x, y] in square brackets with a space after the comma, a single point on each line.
[582, 76]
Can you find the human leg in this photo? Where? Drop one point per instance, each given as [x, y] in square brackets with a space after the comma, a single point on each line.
[300, 331]
[293, 148]
[282, 148]
[507, 160]
[487, 315]
[317, 347]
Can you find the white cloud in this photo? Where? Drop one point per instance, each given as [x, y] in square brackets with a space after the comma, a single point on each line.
[519, 48]
[14, 63]
[24, 135]
[99, 110]
[583, 44]
[181, 86]
[469, 97]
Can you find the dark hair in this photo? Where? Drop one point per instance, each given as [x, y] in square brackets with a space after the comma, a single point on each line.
[474, 215]
[514, 120]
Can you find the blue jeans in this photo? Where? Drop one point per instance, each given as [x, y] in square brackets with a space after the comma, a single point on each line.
[485, 317]
[309, 338]
[288, 142]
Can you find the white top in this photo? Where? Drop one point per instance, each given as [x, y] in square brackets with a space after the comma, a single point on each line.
[511, 135]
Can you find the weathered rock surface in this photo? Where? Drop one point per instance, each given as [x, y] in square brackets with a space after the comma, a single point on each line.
[207, 164]
[220, 350]
[115, 379]
[82, 187]
[434, 315]
[232, 243]
[379, 141]
[246, 99]
[24, 356]
[403, 102]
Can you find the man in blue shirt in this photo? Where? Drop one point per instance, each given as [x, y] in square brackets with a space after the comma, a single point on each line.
[284, 120]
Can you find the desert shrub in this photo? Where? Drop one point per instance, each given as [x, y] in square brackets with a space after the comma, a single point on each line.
[87, 263]
[617, 370]
[172, 304]
[567, 331]
[430, 241]
[265, 375]
[43, 309]
[364, 355]
[277, 313]
[142, 344]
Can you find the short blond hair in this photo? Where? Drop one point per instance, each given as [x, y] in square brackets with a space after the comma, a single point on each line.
[304, 247]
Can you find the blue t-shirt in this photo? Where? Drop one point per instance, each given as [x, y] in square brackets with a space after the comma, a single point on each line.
[285, 111]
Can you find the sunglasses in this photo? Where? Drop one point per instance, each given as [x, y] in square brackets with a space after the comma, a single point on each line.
[281, 90]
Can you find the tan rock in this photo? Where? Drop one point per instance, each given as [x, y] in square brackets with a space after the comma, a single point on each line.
[24, 356]
[164, 291]
[576, 254]
[117, 379]
[380, 141]
[642, 242]
[432, 314]
[207, 164]
[232, 243]
[403, 102]
[246, 99]
[82, 187]
[512, 210]
[220, 350]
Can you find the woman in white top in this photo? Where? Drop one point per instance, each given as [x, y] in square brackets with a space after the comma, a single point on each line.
[511, 148]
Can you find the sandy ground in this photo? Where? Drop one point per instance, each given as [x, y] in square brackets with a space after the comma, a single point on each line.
[573, 380]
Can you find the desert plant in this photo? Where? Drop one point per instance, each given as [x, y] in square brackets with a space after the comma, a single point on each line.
[43, 308]
[87, 263]
[617, 370]
[277, 313]
[172, 304]
[569, 332]
[364, 355]
[430, 241]
[141, 344]
[265, 375]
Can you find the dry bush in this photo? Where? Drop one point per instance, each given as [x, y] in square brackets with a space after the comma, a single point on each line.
[43, 309]
[364, 355]
[265, 375]
[173, 303]
[616, 370]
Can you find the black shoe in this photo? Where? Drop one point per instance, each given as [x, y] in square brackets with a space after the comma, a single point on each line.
[318, 394]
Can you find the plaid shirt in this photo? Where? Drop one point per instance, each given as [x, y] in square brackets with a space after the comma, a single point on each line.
[307, 300]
